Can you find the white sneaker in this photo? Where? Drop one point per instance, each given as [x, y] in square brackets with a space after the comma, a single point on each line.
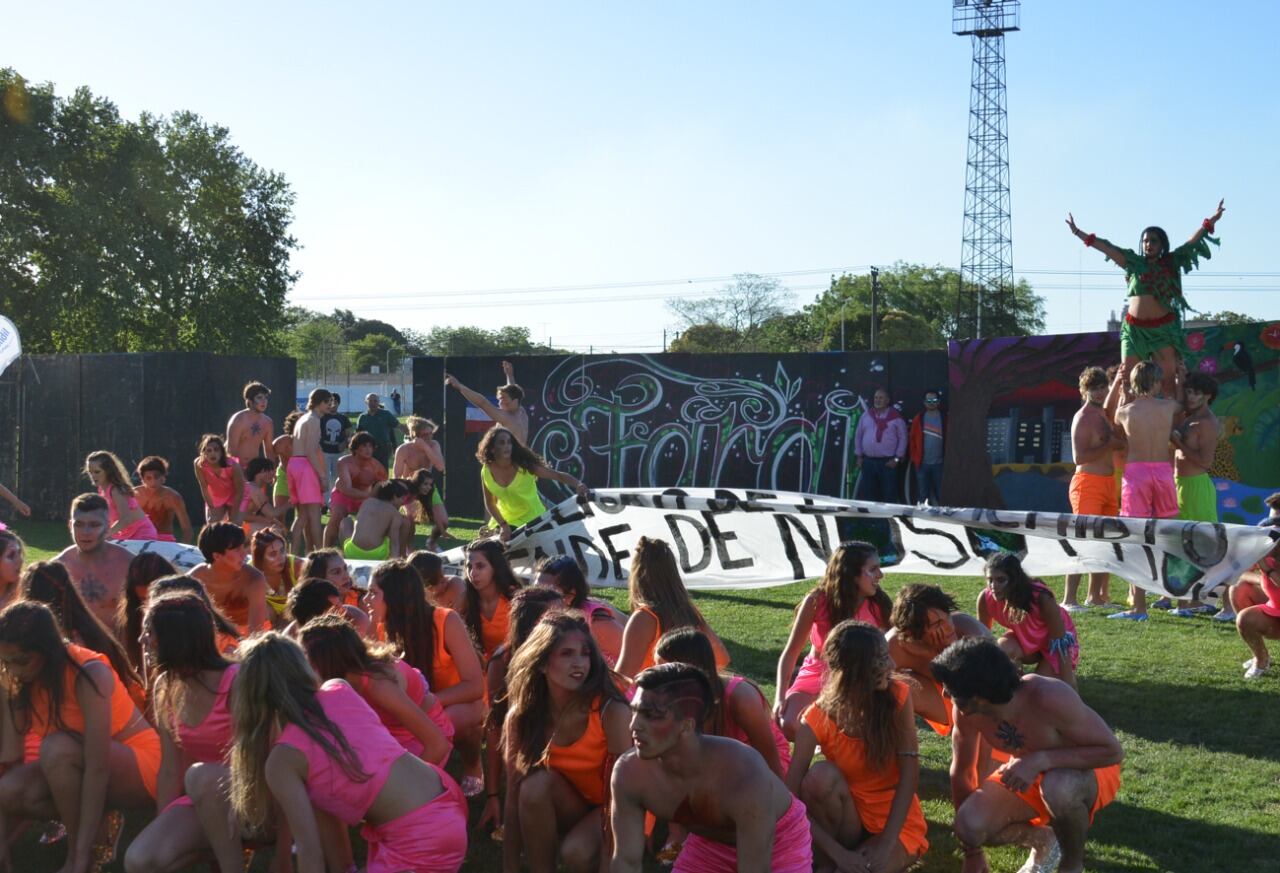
[1249, 663]
[1050, 863]
[1256, 672]
[1225, 616]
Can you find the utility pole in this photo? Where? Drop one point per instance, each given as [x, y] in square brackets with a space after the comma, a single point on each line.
[842, 306]
[664, 340]
[875, 306]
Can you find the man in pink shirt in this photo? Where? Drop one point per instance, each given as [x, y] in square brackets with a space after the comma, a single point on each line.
[880, 442]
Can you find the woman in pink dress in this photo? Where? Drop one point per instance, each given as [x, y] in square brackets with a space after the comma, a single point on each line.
[1040, 632]
[312, 749]
[109, 476]
[849, 589]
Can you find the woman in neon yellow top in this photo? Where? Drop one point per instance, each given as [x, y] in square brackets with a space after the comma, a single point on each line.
[510, 471]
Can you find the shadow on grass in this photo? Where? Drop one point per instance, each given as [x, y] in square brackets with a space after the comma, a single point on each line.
[1219, 719]
[1175, 842]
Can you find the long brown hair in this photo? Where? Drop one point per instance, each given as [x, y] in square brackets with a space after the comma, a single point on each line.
[32, 627]
[144, 568]
[117, 472]
[528, 605]
[275, 682]
[410, 620]
[1020, 596]
[854, 652]
[263, 540]
[655, 583]
[530, 724]
[48, 582]
[335, 649]
[839, 584]
[178, 582]
[183, 645]
[504, 580]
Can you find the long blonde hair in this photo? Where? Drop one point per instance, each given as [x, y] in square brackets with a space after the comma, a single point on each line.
[530, 725]
[276, 683]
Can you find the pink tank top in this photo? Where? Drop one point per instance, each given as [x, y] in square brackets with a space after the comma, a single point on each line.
[734, 732]
[142, 529]
[220, 482]
[328, 785]
[415, 688]
[822, 624]
[1272, 606]
[1032, 633]
[209, 741]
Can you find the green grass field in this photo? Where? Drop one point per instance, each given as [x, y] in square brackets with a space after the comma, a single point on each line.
[1202, 774]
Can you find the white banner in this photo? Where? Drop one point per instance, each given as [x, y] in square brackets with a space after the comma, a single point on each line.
[731, 538]
[10, 343]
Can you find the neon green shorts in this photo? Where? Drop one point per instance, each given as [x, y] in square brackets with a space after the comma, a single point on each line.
[355, 553]
[281, 488]
[1197, 498]
[1143, 342]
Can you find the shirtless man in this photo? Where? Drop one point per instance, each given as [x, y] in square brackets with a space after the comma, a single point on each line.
[739, 814]
[250, 429]
[508, 413]
[1147, 490]
[237, 587]
[926, 620]
[379, 530]
[358, 473]
[160, 502]
[1063, 762]
[1195, 440]
[97, 567]
[421, 451]
[1093, 487]
[308, 475]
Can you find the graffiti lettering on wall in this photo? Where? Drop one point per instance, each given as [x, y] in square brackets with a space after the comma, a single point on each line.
[750, 421]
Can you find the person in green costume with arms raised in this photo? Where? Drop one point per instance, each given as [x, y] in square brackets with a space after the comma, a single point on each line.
[510, 471]
[1152, 328]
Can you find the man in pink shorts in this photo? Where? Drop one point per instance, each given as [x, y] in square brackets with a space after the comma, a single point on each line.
[1147, 489]
[308, 474]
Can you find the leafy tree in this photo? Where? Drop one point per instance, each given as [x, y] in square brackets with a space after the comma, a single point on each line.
[706, 338]
[898, 331]
[1227, 317]
[318, 347]
[372, 350]
[741, 306]
[929, 293]
[120, 235]
[468, 340]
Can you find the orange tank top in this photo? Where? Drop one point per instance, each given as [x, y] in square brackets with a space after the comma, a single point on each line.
[444, 672]
[583, 761]
[42, 722]
[493, 631]
[649, 656]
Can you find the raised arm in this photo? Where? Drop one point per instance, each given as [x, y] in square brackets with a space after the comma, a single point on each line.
[1091, 240]
[1207, 227]
[544, 472]
[479, 400]
[14, 501]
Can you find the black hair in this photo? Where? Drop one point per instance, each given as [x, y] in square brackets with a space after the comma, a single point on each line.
[256, 466]
[682, 684]
[910, 613]
[1159, 233]
[219, 536]
[977, 667]
[310, 598]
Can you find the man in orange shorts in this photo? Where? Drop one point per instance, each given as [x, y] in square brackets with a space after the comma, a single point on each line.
[1093, 487]
[1062, 761]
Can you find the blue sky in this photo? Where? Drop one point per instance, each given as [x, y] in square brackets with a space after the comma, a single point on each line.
[565, 149]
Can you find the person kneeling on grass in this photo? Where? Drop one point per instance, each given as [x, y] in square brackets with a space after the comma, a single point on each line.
[1061, 761]
[1260, 620]
[739, 814]
[862, 800]
[1040, 632]
[379, 531]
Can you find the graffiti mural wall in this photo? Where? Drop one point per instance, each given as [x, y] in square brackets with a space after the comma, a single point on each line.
[1012, 400]
[735, 420]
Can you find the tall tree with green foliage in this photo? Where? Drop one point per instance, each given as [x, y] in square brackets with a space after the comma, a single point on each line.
[119, 235]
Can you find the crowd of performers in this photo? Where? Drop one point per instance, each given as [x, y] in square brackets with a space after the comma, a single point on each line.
[261, 702]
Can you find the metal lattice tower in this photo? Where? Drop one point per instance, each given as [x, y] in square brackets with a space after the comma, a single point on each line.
[986, 257]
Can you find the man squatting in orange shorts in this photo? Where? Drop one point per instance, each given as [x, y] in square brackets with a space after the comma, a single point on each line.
[1061, 761]
[1093, 487]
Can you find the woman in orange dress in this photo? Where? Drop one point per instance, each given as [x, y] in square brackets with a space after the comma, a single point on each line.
[96, 751]
[566, 725]
[659, 603]
[490, 584]
[863, 808]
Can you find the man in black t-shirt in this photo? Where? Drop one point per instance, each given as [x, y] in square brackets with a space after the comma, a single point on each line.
[335, 429]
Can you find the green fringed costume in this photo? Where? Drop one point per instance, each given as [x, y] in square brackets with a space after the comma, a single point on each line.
[1163, 281]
